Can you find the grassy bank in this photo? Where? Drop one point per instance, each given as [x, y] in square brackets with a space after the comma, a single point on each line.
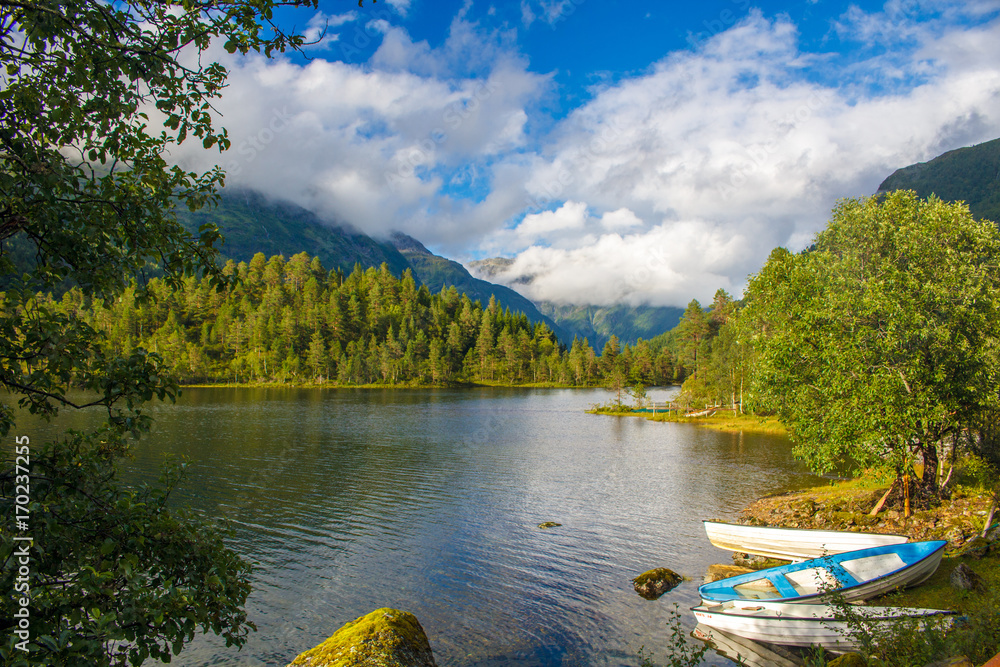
[726, 422]
[733, 423]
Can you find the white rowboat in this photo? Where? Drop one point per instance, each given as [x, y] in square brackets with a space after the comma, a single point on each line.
[805, 624]
[792, 543]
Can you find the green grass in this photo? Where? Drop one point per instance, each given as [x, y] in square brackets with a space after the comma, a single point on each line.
[938, 593]
[726, 422]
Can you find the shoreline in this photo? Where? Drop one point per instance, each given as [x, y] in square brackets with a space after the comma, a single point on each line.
[375, 385]
[847, 505]
[728, 423]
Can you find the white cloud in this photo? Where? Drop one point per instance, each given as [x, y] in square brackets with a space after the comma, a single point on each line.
[375, 145]
[537, 226]
[319, 33]
[620, 219]
[401, 6]
[734, 141]
[694, 169]
[666, 265]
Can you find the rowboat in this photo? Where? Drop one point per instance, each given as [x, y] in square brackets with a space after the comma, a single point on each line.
[808, 624]
[855, 575]
[792, 543]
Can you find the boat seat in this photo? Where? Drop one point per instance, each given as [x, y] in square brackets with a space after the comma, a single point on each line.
[845, 577]
[785, 589]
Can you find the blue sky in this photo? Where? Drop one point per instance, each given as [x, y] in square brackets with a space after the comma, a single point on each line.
[617, 151]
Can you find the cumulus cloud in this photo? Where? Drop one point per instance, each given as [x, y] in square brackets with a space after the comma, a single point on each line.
[663, 186]
[378, 146]
[729, 151]
[667, 265]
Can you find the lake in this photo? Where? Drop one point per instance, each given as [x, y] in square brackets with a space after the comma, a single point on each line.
[429, 500]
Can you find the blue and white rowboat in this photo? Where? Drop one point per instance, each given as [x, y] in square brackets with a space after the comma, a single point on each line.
[855, 575]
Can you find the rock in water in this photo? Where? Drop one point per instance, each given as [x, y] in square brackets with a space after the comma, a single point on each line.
[654, 583]
[385, 637]
[549, 524]
[964, 579]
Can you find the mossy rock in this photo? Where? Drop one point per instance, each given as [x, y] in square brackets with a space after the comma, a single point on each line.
[845, 520]
[804, 508]
[384, 638]
[755, 562]
[654, 583]
[549, 524]
[849, 660]
[718, 572]
[960, 661]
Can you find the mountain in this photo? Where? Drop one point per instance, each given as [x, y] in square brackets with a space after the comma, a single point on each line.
[598, 323]
[969, 174]
[595, 323]
[251, 223]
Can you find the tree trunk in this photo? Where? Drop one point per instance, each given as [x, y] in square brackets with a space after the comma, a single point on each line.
[929, 477]
[989, 517]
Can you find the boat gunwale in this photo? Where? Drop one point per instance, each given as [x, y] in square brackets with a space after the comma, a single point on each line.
[811, 563]
[778, 616]
[807, 530]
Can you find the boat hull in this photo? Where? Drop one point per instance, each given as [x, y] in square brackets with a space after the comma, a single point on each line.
[803, 624]
[792, 543]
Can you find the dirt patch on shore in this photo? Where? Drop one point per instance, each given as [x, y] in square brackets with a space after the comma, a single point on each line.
[837, 508]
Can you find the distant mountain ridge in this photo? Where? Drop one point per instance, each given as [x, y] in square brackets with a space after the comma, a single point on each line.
[970, 174]
[252, 223]
[595, 323]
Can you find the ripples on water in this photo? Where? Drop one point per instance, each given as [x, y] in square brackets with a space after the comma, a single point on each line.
[429, 501]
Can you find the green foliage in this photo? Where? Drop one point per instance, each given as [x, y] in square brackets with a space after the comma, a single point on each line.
[877, 343]
[116, 576]
[908, 642]
[94, 96]
[292, 321]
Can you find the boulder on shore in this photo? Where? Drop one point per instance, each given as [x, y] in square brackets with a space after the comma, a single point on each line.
[755, 562]
[964, 579]
[385, 637]
[718, 571]
[654, 583]
[849, 660]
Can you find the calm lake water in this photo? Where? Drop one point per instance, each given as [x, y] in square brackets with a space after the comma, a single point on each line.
[429, 501]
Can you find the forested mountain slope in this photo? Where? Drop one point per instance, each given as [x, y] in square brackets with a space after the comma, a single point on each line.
[969, 174]
[293, 321]
[252, 223]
